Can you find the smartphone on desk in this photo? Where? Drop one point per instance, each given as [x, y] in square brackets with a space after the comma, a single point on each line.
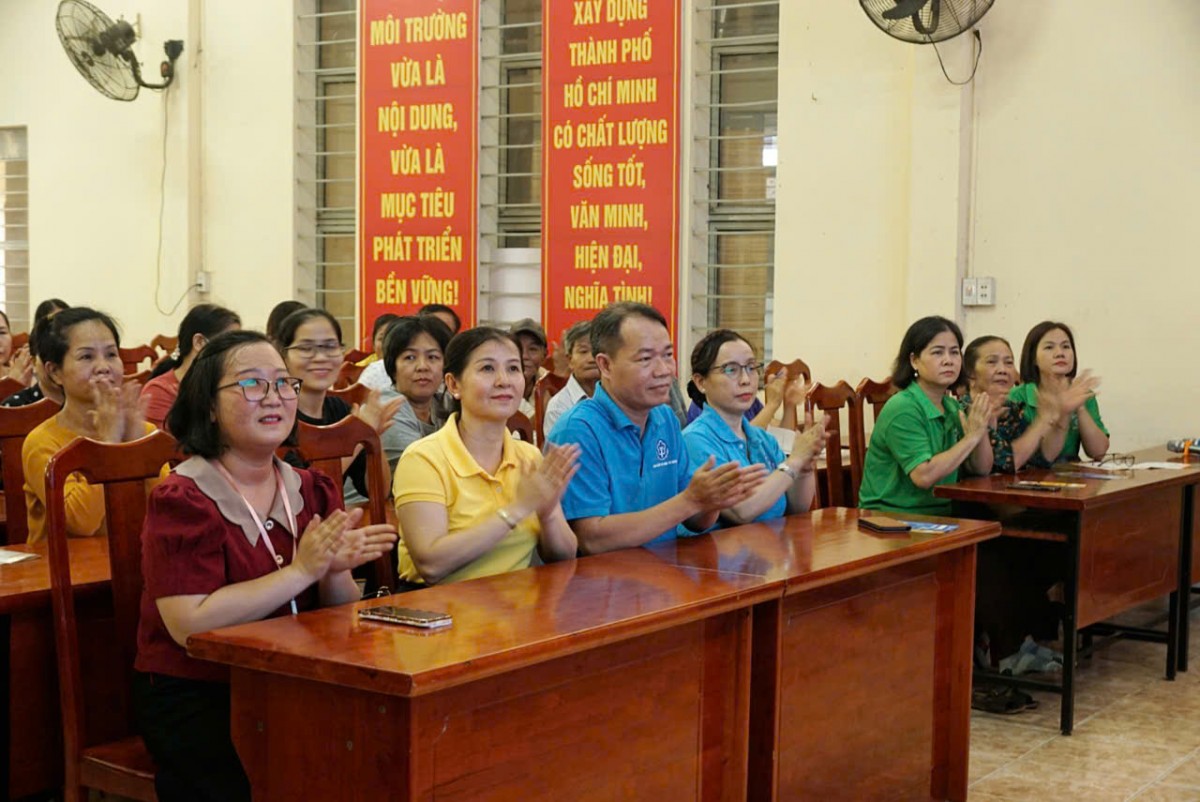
[881, 523]
[406, 616]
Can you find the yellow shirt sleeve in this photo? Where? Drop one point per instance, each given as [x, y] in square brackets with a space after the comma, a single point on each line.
[84, 503]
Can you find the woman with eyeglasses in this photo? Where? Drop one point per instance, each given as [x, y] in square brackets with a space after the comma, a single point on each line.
[311, 342]
[471, 500]
[233, 535]
[199, 325]
[81, 357]
[725, 370]
[922, 436]
[1049, 368]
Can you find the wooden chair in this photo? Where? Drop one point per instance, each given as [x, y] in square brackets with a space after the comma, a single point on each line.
[9, 385]
[795, 369]
[354, 394]
[131, 358]
[162, 342]
[324, 448]
[356, 355]
[871, 393]
[105, 753]
[348, 374]
[832, 400]
[545, 388]
[15, 425]
[521, 426]
[20, 339]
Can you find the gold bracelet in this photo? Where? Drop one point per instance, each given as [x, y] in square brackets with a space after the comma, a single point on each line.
[506, 516]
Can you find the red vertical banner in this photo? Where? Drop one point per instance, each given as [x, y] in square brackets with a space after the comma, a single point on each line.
[610, 145]
[418, 156]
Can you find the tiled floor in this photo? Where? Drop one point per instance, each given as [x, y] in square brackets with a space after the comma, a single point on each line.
[1136, 736]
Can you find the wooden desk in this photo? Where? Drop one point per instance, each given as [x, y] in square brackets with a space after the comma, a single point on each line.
[631, 675]
[30, 724]
[1128, 541]
[862, 669]
[569, 681]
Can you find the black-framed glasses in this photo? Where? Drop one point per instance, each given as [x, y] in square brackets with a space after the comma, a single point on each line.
[255, 390]
[309, 350]
[1117, 460]
[733, 370]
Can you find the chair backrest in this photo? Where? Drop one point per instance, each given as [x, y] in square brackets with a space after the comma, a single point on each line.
[795, 368]
[139, 378]
[355, 355]
[9, 385]
[831, 401]
[521, 426]
[131, 358]
[324, 448]
[15, 425]
[20, 339]
[354, 394]
[348, 374]
[122, 469]
[164, 343]
[868, 393]
[545, 388]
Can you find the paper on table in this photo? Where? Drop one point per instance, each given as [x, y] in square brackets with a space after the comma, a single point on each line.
[1165, 466]
[8, 557]
[786, 438]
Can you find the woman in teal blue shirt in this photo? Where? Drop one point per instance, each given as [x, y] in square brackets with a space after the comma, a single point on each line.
[922, 436]
[726, 370]
[1048, 365]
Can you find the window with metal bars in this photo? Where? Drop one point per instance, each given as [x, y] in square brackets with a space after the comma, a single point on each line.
[510, 158]
[735, 129]
[14, 227]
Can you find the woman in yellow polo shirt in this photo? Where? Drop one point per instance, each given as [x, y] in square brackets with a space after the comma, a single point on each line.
[471, 501]
[922, 436]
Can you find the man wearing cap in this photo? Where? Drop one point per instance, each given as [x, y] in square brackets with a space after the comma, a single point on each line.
[634, 486]
[532, 337]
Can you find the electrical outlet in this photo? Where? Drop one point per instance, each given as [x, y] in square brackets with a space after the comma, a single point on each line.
[986, 294]
[970, 292]
[203, 282]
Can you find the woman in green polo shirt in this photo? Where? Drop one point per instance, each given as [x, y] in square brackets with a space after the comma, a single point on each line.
[922, 436]
[1048, 365]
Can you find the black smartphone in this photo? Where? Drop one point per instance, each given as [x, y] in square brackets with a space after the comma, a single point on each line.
[881, 523]
[388, 614]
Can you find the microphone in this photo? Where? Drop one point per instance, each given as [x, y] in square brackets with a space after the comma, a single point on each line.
[1184, 446]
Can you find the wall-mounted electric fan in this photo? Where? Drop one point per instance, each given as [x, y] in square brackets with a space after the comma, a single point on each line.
[925, 21]
[102, 50]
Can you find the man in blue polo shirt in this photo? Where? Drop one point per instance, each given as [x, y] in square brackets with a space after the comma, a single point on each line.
[634, 486]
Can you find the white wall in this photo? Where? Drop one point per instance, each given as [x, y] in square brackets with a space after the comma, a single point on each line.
[95, 163]
[1073, 166]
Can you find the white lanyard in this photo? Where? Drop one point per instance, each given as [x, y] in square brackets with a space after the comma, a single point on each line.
[262, 530]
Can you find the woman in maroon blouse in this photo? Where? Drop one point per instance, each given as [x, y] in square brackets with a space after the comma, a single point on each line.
[233, 535]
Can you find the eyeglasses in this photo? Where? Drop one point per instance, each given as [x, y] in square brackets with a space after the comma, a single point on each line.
[309, 350]
[1118, 460]
[256, 390]
[733, 370]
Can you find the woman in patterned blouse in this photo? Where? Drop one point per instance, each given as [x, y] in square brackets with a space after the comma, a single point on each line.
[988, 367]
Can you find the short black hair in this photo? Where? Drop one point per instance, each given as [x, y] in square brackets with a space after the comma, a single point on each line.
[49, 307]
[1029, 368]
[404, 330]
[278, 314]
[704, 354]
[971, 355]
[191, 418]
[287, 329]
[463, 344]
[918, 336]
[383, 321]
[606, 326]
[57, 335]
[429, 309]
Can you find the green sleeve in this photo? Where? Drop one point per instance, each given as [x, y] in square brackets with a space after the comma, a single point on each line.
[1093, 408]
[908, 439]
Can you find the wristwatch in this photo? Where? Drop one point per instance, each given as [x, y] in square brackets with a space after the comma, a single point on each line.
[789, 470]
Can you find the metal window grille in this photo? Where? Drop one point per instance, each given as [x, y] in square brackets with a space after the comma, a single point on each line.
[14, 227]
[734, 157]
